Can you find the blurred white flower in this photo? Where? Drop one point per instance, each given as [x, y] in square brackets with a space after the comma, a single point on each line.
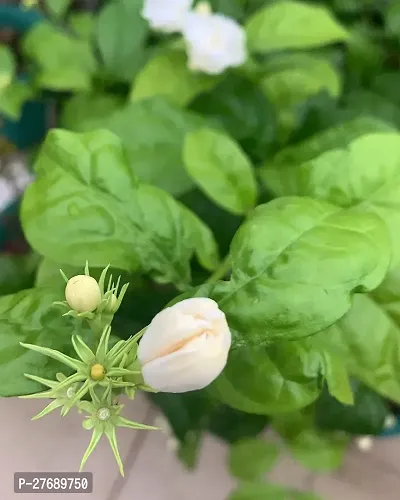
[185, 347]
[214, 42]
[365, 443]
[166, 15]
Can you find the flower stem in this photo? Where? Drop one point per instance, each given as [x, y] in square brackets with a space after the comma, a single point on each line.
[221, 271]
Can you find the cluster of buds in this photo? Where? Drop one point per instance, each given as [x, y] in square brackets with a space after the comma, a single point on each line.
[184, 348]
[88, 299]
[100, 375]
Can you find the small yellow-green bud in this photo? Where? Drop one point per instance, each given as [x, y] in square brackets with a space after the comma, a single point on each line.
[83, 293]
[97, 372]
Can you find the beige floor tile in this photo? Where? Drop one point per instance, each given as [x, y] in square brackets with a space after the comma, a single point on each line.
[55, 444]
[291, 474]
[158, 475]
[331, 488]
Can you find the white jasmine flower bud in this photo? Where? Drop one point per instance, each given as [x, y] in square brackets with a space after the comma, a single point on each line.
[83, 293]
[185, 347]
[166, 15]
[214, 42]
[365, 443]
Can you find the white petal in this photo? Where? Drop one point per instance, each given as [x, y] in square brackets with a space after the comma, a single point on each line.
[193, 367]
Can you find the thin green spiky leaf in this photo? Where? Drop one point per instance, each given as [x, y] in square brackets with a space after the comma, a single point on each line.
[82, 349]
[71, 312]
[97, 433]
[57, 355]
[112, 439]
[117, 283]
[119, 346]
[121, 372]
[49, 408]
[77, 397]
[130, 392]
[102, 348]
[64, 276]
[147, 388]
[124, 422]
[44, 381]
[39, 395]
[102, 279]
[121, 294]
[60, 376]
[109, 283]
[118, 384]
[71, 380]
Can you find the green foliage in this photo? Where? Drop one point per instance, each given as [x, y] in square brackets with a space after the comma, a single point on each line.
[7, 67]
[250, 459]
[292, 25]
[120, 37]
[221, 170]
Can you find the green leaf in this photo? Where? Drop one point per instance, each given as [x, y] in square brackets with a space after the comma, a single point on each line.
[167, 73]
[83, 109]
[338, 136]
[295, 266]
[7, 67]
[273, 380]
[146, 128]
[13, 97]
[392, 19]
[292, 78]
[251, 458]
[259, 491]
[65, 63]
[206, 247]
[317, 450]
[57, 8]
[240, 107]
[365, 417]
[292, 25]
[17, 272]
[75, 204]
[30, 317]
[221, 170]
[82, 24]
[368, 338]
[121, 33]
[365, 175]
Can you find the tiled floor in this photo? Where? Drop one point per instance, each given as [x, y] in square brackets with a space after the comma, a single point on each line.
[151, 471]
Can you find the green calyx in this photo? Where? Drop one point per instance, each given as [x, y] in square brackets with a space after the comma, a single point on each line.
[107, 368]
[103, 418]
[109, 304]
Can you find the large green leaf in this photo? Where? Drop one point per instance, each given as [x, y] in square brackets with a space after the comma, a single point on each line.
[57, 8]
[290, 24]
[13, 97]
[147, 128]
[278, 379]
[365, 417]
[65, 63]
[259, 491]
[7, 67]
[251, 458]
[295, 265]
[121, 33]
[87, 203]
[338, 136]
[30, 317]
[368, 337]
[167, 73]
[365, 175]
[317, 450]
[221, 169]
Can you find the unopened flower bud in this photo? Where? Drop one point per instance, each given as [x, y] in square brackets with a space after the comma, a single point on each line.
[83, 293]
[97, 372]
[185, 347]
